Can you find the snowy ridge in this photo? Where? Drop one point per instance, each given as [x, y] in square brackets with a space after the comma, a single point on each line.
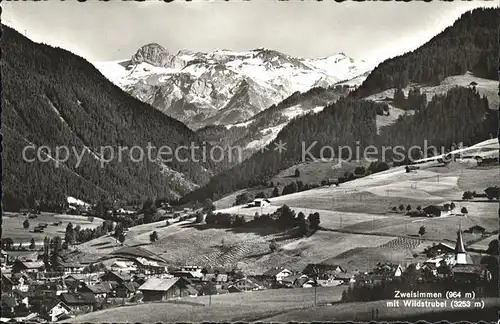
[223, 87]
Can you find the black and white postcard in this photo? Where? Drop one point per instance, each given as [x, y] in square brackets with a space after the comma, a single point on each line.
[249, 161]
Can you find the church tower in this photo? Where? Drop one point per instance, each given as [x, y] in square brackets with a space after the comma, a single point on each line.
[460, 254]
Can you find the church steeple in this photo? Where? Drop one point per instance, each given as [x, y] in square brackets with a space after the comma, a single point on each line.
[460, 253]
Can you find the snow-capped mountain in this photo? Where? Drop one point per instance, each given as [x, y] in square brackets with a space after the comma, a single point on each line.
[223, 87]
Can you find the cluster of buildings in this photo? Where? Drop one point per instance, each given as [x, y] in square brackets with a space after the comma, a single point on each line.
[31, 293]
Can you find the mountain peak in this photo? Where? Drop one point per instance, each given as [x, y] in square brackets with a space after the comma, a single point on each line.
[152, 53]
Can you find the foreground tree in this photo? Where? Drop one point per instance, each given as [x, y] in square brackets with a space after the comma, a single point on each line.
[32, 244]
[273, 246]
[121, 238]
[153, 237]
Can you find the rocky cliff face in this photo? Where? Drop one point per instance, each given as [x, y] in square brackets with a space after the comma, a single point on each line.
[223, 87]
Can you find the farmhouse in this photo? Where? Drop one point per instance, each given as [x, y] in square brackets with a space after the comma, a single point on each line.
[295, 281]
[72, 267]
[470, 272]
[101, 290]
[435, 211]
[260, 202]
[156, 289]
[476, 229]
[149, 267]
[246, 284]
[439, 249]
[123, 266]
[277, 274]
[115, 277]
[79, 302]
[492, 192]
[58, 311]
[28, 267]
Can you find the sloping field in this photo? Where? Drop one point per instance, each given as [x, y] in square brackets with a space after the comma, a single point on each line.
[484, 243]
[13, 226]
[486, 87]
[224, 308]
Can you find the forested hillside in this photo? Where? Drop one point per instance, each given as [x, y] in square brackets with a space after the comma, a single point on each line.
[51, 97]
[459, 116]
[258, 127]
[470, 44]
[342, 123]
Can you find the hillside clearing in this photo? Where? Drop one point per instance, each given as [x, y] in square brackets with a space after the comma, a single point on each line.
[12, 225]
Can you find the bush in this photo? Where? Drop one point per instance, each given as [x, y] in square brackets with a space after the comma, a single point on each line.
[261, 195]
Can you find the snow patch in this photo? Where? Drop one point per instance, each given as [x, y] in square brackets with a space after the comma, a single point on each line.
[75, 201]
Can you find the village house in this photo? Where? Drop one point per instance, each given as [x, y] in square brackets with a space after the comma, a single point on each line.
[322, 270]
[157, 289]
[277, 274]
[69, 268]
[123, 266]
[114, 277]
[149, 267]
[389, 270]
[438, 249]
[74, 281]
[346, 278]
[476, 229]
[58, 311]
[492, 192]
[435, 211]
[470, 273]
[53, 288]
[126, 289]
[22, 297]
[34, 267]
[100, 290]
[295, 281]
[8, 284]
[260, 202]
[245, 284]
[17, 281]
[79, 302]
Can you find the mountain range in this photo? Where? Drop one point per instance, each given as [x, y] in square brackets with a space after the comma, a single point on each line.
[52, 98]
[224, 87]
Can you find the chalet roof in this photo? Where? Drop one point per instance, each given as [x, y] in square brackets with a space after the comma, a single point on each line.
[291, 279]
[130, 286]
[100, 288]
[232, 289]
[120, 276]
[32, 265]
[56, 302]
[274, 271]
[71, 265]
[158, 284]
[7, 280]
[221, 277]
[82, 276]
[469, 268]
[78, 298]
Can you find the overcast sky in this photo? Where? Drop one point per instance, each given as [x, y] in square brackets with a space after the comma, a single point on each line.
[115, 30]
